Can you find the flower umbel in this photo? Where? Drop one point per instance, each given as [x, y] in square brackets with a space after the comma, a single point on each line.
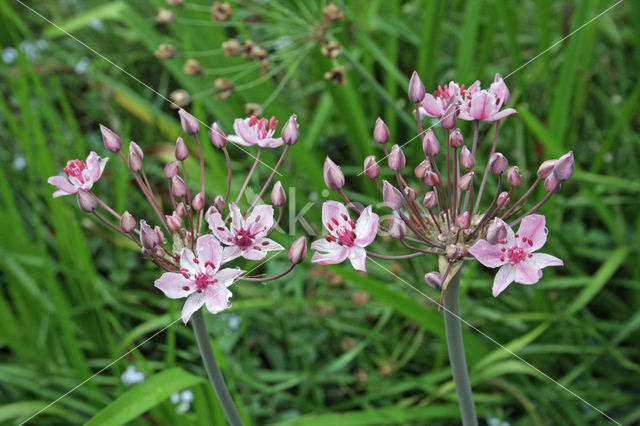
[80, 175]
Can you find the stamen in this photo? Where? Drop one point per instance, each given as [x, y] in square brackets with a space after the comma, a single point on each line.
[185, 273]
[209, 263]
[196, 261]
[253, 121]
[331, 238]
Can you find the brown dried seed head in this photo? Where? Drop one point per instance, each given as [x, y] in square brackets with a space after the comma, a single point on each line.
[253, 109]
[331, 49]
[165, 16]
[177, 3]
[332, 13]
[337, 75]
[192, 67]
[165, 51]
[180, 98]
[232, 47]
[223, 83]
[264, 66]
[221, 11]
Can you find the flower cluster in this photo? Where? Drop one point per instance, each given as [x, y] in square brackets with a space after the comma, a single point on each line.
[195, 260]
[442, 214]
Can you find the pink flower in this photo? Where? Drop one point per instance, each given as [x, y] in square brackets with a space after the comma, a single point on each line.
[200, 279]
[436, 104]
[515, 255]
[347, 238]
[253, 131]
[80, 175]
[485, 105]
[246, 238]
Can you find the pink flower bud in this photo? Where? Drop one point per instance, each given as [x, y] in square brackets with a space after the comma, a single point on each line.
[134, 161]
[452, 251]
[464, 220]
[218, 138]
[421, 169]
[371, 167]
[148, 237]
[546, 168]
[174, 222]
[278, 196]
[381, 131]
[497, 232]
[87, 201]
[448, 120]
[219, 203]
[391, 196]
[127, 222]
[159, 232]
[503, 200]
[181, 151]
[410, 194]
[416, 88]
[429, 200]
[198, 202]
[181, 210]
[290, 132]
[171, 169]
[397, 228]
[111, 140]
[178, 187]
[333, 176]
[564, 168]
[433, 280]
[430, 144]
[513, 177]
[431, 178]
[498, 164]
[456, 140]
[465, 181]
[298, 251]
[397, 160]
[189, 123]
[466, 158]
[552, 184]
[134, 147]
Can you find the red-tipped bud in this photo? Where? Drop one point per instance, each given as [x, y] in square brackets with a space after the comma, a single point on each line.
[392, 196]
[148, 237]
[381, 131]
[397, 228]
[178, 187]
[278, 196]
[171, 169]
[134, 147]
[465, 181]
[464, 220]
[159, 233]
[513, 177]
[416, 88]
[433, 280]
[181, 210]
[466, 158]
[410, 194]
[181, 151]
[448, 120]
[552, 184]
[333, 176]
[174, 222]
[218, 138]
[430, 200]
[189, 123]
[127, 222]
[371, 167]
[503, 200]
[431, 178]
[134, 161]
[497, 232]
[87, 201]
[430, 144]
[456, 140]
[498, 163]
[219, 203]
[290, 134]
[421, 169]
[546, 168]
[111, 140]
[564, 169]
[397, 160]
[198, 202]
[298, 251]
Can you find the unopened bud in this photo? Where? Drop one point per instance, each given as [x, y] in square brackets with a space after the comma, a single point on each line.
[87, 201]
[430, 200]
[465, 181]
[218, 138]
[181, 210]
[497, 232]
[171, 169]
[174, 222]
[198, 202]
[298, 250]
[134, 161]
[410, 194]
[333, 176]
[430, 144]
[513, 177]
[397, 160]
[189, 123]
[546, 168]
[290, 132]
[452, 251]
[127, 222]
[181, 151]
[381, 131]
[159, 233]
[134, 147]
[448, 120]
[397, 228]
[421, 169]
[498, 163]
[371, 167]
[552, 184]
[416, 88]
[148, 237]
[178, 187]
[111, 140]
[391, 195]
[278, 196]
[466, 158]
[431, 178]
[219, 203]
[433, 280]
[564, 169]
[503, 200]
[456, 140]
[464, 220]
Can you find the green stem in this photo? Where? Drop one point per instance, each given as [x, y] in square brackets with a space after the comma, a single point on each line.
[213, 371]
[455, 345]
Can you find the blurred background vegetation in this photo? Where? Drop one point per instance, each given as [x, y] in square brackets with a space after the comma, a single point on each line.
[326, 346]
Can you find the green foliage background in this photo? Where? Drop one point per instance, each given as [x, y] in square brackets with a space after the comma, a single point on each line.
[74, 297]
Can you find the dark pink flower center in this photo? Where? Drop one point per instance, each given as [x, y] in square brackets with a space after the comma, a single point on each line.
[263, 128]
[75, 168]
[516, 255]
[204, 280]
[345, 233]
[243, 237]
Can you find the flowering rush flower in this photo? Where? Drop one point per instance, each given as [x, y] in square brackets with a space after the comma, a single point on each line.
[253, 131]
[81, 175]
[200, 279]
[515, 254]
[347, 238]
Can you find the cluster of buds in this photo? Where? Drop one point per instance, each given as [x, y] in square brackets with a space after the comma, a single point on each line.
[204, 233]
[442, 215]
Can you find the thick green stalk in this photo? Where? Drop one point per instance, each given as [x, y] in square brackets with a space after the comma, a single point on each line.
[455, 345]
[213, 371]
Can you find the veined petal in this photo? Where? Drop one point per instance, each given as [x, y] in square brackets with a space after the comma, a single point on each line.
[366, 227]
[542, 260]
[533, 227]
[236, 216]
[63, 185]
[186, 261]
[242, 128]
[487, 254]
[237, 139]
[174, 285]
[251, 253]
[227, 276]
[502, 114]
[505, 276]
[527, 273]
[261, 218]
[432, 106]
[482, 105]
[93, 166]
[270, 142]
[219, 229]
[358, 258]
[193, 303]
[229, 253]
[209, 250]
[333, 252]
[334, 210]
[267, 244]
[217, 299]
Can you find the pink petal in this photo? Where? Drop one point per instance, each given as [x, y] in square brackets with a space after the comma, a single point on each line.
[252, 254]
[533, 227]
[432, 106]
[219, 229]
[230, 253]
[236, 216]
[236, 139]
[505, 276]
[209, 250]
[227, 276]
[63, 185]
[93, 166]
[334, 252]
[334, 210]
[261, 218]
[502, 114]
[358, 258]
[186, 261]
[193, 303]
[217, 298]
[267, 244]
[243, 130]
[474, 88]
[482, 105]
[270, 142]
[173, 285]
[542, 260]
[527, 273]
[487, 254]
[366, 227]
